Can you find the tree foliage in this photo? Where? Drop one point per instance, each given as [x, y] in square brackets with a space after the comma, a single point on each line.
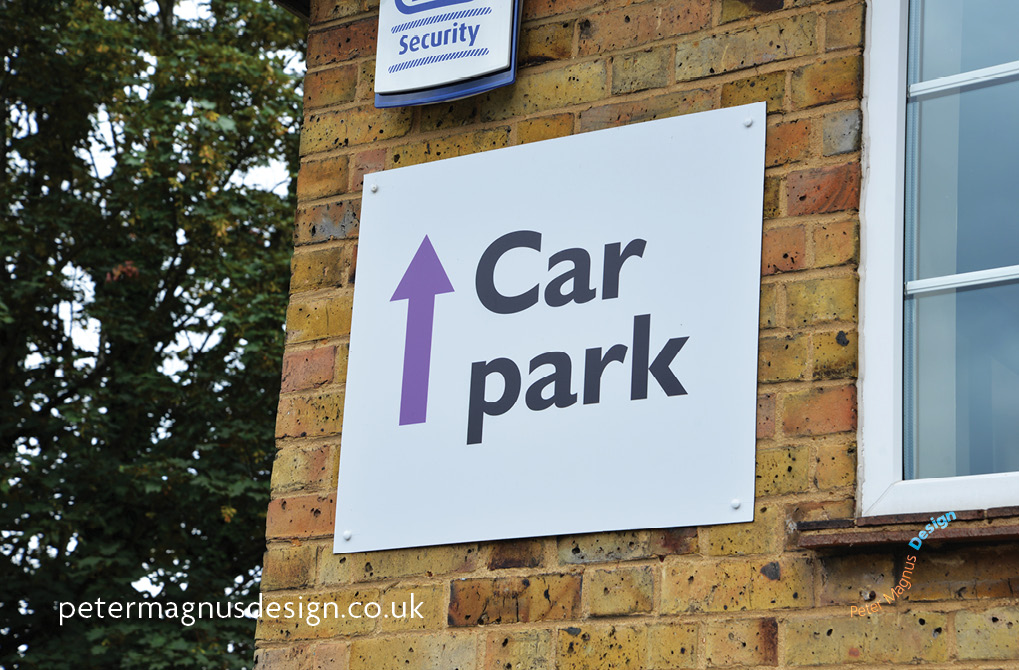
[142, 297]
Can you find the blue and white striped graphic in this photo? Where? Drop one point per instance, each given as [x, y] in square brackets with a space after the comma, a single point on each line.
[407, 64]
[450, 16]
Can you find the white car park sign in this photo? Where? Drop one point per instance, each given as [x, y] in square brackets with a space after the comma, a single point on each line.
[557, 338]
[435, 50]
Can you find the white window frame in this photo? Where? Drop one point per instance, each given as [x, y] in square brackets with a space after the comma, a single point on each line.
[881, 488]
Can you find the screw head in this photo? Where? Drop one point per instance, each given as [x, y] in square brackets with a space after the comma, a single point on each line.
[375, 188]
[347, 535]
[748, 122]
[735, 503]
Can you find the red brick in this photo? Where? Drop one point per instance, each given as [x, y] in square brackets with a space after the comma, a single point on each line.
[365, 162]
[823, 190]
[820, 411]
[300, 516]
[787, 142]
[308, 369]
[640, 24]
[475, 602]
[342, 43]
[783, 249]
[673, 541]
[288, 566]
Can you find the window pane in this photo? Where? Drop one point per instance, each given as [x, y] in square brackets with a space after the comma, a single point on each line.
[966, 381]
[966, 181]
[963, 35]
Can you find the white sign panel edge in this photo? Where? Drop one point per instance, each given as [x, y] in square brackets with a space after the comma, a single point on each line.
[692, 186]
[474, 38]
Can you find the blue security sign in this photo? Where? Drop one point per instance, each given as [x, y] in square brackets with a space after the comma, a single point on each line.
[437, 50]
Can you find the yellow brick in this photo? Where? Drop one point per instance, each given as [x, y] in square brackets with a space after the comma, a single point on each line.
[772, 197]
[601, 547]
[549, 41]
[763, 535]
[725, 52]
[782, 583]
[310, 469]
[836, 466]
[593, 647]
[620, 591]
[321, 318]
[733, 10]
[447, 115]
[827, 81]
[737, 585]
[448, 147]
[426, 651]
[672, 646]
[430, 561]
[324, 223]
[782, 471]
[782, 358]
[313, 268]
[333, 569]
[330, 87]
[400, 607]
[648, 109]
[856, 579]
[836, 243]
[319, 179]
[542, 91]
[335, 130]
[366, 80]
[769, 88]
[706, 586]
[966, 572]
[288, 566]
[769, 305]
[879, 638]
[746, 642]
[821, 300]
[519, 650]
[641, 70]
[310, 416]
[844, 28]
[835, 354]
[311, 618]
[544, 128]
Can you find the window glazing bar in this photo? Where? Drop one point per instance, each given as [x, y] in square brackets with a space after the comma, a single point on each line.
[978, 278]
[983, 75]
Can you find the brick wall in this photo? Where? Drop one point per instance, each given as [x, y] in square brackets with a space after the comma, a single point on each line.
[743, 595]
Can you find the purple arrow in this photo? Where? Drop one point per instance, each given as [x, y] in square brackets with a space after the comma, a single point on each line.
[423, 280]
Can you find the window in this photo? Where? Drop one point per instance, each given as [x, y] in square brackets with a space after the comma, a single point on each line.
[939, 379]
